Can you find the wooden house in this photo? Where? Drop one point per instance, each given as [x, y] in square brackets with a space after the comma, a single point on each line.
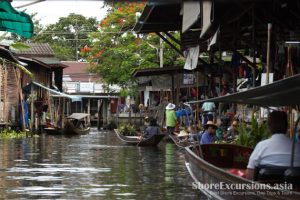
[10, 70]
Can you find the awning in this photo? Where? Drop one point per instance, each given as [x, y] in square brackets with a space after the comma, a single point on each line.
[78, 116]
[59, 94]
[160, 16]
[14, 21]
[285, 92]
[93, 96]
[6, 54]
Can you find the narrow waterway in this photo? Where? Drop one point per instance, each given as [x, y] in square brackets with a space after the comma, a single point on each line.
[93, 166]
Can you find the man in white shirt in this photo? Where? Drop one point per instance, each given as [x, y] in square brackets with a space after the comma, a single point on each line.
[275, 151]
[208, 109]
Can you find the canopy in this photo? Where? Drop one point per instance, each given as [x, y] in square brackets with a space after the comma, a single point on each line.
[78, 116]
[14, 21]
[60, 94]
[285, 92]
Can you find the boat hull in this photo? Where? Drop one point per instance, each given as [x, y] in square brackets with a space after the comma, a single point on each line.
[135, 141]
[53, 131]
[204, 172]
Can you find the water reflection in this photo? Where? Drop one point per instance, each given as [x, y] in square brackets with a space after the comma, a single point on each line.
[93, 166]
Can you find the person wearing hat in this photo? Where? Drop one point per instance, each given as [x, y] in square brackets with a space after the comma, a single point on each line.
[152, 129]
[232, 130]
[171, 118]
[183, 136]
[208, 136]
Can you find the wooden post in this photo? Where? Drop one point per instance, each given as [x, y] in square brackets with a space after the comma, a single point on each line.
[5, 94]
[118, 111]
[32, 107]
[89, 111]
[177, 88]
[63, 113]
[50, 105]
[290, 73]
[268, 52]
[19, 88]
[197, 98]
[173, 88]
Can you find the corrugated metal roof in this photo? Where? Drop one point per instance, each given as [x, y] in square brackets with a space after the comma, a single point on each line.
[6, 54]
[36, 49]
[48, 60]
[75, 67]
[78, 71]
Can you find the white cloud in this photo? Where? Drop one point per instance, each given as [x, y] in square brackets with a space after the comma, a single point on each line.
[49, 12]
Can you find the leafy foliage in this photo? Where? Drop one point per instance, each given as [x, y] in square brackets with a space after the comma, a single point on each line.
[117, 51]
[68, 35]
[11, 134]
[127, 129]
[249, 136]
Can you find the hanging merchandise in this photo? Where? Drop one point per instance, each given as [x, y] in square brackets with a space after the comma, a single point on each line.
[241, 71]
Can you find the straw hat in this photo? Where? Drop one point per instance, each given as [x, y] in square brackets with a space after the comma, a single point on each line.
[182, 133]
[210, 123]
[170, 106]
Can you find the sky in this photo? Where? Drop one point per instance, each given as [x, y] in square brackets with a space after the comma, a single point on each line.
[49, 12]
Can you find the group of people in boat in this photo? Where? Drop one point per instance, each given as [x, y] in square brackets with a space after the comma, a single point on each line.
[275, 151]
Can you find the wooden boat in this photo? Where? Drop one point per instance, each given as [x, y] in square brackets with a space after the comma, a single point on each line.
[210, 163]
[53, 131]
[214, 167]
[75, 125]
[135, 141]
[179, 143]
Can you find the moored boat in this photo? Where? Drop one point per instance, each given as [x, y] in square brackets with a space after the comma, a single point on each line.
[53, 131]
[75, 125]
[135, 140]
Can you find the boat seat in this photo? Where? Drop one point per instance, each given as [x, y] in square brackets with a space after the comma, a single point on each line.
[277, 174]
[269, 173]
[292, 175]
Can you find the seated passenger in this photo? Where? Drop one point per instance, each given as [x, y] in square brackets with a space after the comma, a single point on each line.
[275, 151]
[152, 129]
[208, 136]
[232, 131]
[193, 133]
[183, 136]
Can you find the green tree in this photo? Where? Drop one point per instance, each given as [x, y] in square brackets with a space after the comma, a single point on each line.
[68, 35]
[116, 50]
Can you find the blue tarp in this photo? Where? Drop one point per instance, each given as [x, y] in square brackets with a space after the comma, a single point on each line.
[61, 94]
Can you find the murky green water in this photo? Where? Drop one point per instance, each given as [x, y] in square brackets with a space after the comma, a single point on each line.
[93, 166]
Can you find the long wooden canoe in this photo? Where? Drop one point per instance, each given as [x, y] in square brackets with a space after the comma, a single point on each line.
[53, 131]
[211, 165]
[74, 126]
[134, 140]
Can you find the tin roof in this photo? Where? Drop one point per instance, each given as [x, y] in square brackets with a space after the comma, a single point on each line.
[78, 71]
[36, 49]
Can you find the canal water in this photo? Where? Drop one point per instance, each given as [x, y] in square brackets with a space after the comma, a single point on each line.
[93, 166]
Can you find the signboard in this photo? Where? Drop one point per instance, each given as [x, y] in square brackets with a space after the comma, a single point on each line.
[86, 87]
[188, 79]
